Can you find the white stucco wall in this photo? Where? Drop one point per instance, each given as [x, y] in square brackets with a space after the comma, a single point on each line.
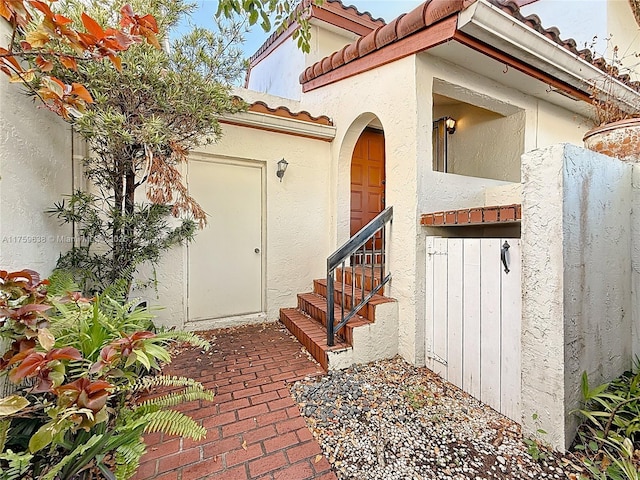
[576, 281]
[278, 73]
[296, 223]
[635, 262]
[485, 144]
[35, 172]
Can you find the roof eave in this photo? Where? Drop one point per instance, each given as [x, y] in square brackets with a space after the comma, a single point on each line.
[504, 33]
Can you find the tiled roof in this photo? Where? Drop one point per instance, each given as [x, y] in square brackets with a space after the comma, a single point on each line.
[364, 20]
[429, 13]
[352, 10]
[304, 116]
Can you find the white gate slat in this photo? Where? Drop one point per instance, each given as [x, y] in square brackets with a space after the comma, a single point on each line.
[455, 311]
[440, 324]
[490, 336]
[428, 336]
[471, 320]
[511, 327]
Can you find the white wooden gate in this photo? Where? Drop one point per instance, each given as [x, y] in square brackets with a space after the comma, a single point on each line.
[473, 318]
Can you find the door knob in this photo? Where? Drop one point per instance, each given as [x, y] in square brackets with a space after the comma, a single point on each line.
[257, 250]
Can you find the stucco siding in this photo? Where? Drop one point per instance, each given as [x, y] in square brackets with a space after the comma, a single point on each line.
[386, 95]
[277, 74]
[296, 222]
[576, 281]
[35, 172]
[597, 271]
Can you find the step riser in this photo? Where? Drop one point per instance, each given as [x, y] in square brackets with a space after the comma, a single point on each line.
[356, 277]
[312, 345]
[368, 311]
[321, 317]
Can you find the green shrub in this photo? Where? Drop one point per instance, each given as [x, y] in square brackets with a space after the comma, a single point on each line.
[608, 440]
[76, 364]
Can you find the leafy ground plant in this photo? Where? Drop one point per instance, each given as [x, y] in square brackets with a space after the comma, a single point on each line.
[608, 440]
[77, 366]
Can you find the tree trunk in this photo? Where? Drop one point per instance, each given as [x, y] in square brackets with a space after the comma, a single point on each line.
[116, 233]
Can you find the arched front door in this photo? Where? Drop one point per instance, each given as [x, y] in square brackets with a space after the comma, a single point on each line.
[367, 179]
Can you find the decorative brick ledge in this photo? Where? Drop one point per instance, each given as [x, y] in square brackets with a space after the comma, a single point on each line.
[473, 216]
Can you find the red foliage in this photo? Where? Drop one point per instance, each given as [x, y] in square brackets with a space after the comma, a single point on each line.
[86, 393]
[95, 43]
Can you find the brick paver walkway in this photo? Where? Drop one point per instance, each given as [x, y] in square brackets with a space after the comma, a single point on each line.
[254, 428]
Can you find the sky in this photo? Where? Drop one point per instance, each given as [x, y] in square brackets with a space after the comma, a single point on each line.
[387, 9]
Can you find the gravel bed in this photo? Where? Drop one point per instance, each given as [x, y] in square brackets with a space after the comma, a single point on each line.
[389, 420]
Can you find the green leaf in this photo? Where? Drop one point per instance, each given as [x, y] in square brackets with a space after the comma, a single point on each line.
[142, 358]
[266, 21]
[253, 17]
[12, 404]
[157, 351]
[42, 437]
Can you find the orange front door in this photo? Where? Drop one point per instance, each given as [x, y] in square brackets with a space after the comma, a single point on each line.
[367, 179]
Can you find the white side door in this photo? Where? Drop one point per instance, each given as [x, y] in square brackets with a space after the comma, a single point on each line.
[225, 259]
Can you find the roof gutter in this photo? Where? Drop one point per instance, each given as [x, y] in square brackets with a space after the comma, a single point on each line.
[496, 28]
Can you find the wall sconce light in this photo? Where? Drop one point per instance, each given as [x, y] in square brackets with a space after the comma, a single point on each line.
[451, 125]
[282, 167]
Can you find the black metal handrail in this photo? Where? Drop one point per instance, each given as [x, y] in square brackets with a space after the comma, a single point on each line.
[356, 250]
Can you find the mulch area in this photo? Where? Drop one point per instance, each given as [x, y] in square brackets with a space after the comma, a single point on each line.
[254, 427]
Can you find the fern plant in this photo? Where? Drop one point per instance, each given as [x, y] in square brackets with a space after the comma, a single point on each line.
[78, 363]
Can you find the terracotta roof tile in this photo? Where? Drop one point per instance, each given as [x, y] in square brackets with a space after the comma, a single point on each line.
[336, 6]
[422, 16]
[388, 33]
[428, 13]
[354, 11]
[304, 116]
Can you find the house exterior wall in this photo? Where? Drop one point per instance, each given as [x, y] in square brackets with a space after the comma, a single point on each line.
[35, 172]
[296, 222]
[576, 282]
[406, 115]
[353, 103]
[277, 74]
[477, 148]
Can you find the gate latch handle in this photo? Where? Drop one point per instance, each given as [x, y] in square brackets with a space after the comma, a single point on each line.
[503, 256]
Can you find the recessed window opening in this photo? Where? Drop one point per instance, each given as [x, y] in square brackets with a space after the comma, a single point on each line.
[479, 141]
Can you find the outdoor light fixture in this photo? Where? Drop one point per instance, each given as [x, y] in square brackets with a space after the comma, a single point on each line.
[282, 167]
[451, 125]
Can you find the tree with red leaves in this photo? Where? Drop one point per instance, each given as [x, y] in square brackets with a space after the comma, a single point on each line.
[141, 108]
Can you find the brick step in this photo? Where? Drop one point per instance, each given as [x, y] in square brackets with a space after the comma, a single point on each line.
[356, 275]
[368, 311]
[311, 334]
[316, 307]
